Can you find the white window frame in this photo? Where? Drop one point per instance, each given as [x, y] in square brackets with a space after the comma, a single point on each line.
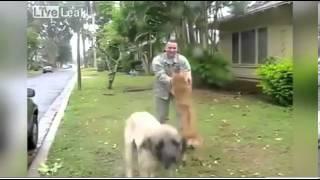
[256, 63]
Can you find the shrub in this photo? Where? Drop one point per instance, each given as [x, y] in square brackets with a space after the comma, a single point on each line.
[276, 80]
[35, 66]
[212, 70]
[101, 65]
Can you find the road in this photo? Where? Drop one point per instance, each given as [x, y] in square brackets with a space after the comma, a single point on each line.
[47, 88]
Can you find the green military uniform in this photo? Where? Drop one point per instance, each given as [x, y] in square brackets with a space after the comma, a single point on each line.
[163, 67]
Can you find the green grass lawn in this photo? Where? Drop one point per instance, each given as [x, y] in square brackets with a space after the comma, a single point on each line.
[244, 135]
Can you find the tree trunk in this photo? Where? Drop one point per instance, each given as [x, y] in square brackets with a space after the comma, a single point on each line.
[204, 24]
[85, 60]
[215, 19]
[191, 32]
[200, 31]
[111, 79]
[108, 64]
[93, 8]
[94, 51]
[78, 60]
[184, 38]
[179, 35]
[146, 63]
[150, 55]
[144, 59]
[185, 32]
[112, 74]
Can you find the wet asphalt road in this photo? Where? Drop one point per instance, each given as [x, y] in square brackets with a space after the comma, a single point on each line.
[47, 88]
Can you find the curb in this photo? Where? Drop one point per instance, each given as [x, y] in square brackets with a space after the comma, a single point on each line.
[59, 105]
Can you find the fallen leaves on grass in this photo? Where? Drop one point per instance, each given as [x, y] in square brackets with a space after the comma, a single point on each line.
[278, 139]
[256, 174]
[224, 121]
[265, 147]
[114, 146]
[45, 169]
[236, 106]
[280, 174]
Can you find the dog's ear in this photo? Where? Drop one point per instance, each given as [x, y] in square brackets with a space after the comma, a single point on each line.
[160, 145]
[158, 149]
[147, 144]
[151, 145]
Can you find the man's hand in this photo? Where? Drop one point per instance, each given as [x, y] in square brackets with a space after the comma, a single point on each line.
[189, 78]
[171, 87]
[172, 92]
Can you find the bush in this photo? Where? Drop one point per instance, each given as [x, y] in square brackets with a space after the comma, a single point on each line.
[35, 66]
[101, 66]
[125, 66]
[276, 80]
[212, 70]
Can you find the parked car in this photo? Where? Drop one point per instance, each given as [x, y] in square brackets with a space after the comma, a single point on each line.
[66, 66]
[33, 124]
[46, 69]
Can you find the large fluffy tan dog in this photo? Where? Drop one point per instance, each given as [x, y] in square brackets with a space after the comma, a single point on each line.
[153, 143]
[182, 91]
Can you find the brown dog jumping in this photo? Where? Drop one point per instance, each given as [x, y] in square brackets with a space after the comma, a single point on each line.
[182, 91]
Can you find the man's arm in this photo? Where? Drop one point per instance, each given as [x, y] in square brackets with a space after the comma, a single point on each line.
[159, 71]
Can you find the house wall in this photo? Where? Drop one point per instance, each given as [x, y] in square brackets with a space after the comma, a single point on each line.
[278, 22]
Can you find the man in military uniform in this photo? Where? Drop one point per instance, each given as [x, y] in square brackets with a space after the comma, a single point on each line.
[163, 66]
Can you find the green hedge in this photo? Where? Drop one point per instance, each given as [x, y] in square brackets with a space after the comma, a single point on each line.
[210, 69]
[276, 80]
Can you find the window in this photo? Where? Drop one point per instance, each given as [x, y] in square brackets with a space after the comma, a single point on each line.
[235, 47]
[262, 47]
[249, 47]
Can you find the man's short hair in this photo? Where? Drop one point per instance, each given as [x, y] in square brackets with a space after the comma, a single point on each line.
[172, 41]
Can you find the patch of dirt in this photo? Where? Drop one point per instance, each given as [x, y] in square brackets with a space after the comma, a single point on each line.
[137, 89]
[203, 95]
[112, 160]
[206, 95]
[253, 157]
